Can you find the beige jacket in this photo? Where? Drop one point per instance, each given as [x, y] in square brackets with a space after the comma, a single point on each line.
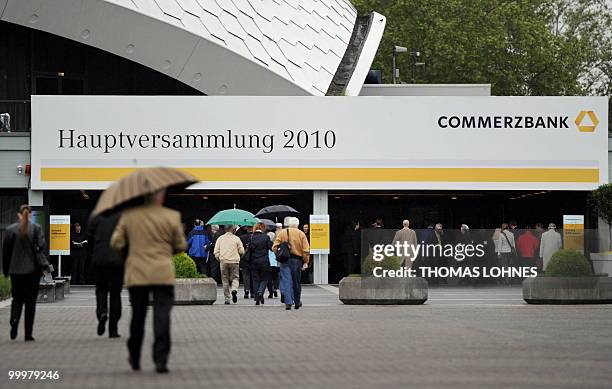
[228, 248]
[298, 241]
[408, 236]
[152, 234]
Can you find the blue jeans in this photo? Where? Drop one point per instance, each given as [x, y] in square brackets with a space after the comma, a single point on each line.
[290, 276]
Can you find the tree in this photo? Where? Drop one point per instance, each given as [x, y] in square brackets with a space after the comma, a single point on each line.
[520, 47]
[601, 198]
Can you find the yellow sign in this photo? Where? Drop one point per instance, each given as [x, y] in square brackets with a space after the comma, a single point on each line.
[592, 117]
[573, 232]
[319, 234]
[59, 235]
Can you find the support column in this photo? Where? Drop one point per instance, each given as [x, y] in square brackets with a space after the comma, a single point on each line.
[320, 261]
[35, 197]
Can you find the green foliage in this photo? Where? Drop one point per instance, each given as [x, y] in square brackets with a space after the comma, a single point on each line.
[601, 199]
[185, 267]
[388, 263]
[527, 47]
[568, 263]
[5, 287]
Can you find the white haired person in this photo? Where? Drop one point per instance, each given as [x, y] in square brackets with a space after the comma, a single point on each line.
[291, 270]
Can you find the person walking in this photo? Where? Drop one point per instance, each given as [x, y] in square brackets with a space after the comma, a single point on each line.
[213, 269]
[273, 282]
[244, 234]
[550, 244]
[506, 248]
[229, 249]
[527, 246]
[407, 236]
[22, 248]
[259, 261]
[109, 272]
[197, 241]
[151, 234]
[290, 271]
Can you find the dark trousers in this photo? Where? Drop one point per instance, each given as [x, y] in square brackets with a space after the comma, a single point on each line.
[24, 290]
[260, 279]
[213, 269]
[109, 281]
[200, 264]
[273, 282]
[247, 281]
[163, 297]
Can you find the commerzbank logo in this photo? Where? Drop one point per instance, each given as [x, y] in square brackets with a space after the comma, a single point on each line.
[587, 121]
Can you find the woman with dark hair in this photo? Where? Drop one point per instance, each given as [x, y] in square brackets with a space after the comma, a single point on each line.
[259, 261]
[23, 243]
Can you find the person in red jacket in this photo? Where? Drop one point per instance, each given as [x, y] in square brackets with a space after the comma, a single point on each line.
[527, 246]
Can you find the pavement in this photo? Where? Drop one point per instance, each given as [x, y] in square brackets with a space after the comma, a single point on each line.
[461, 338]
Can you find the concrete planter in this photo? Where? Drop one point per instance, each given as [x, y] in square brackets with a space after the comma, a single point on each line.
[66, 284]
[602, 262]
[568, 290]
[46, 292]
[383, 291]
[195, 291]
[59, 289]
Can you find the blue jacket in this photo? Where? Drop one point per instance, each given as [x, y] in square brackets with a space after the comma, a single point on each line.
[196, 240]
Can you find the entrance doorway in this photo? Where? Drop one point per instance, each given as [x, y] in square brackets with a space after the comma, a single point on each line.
[479, 210]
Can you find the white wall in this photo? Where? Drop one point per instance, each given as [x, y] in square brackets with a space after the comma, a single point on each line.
[14, 151]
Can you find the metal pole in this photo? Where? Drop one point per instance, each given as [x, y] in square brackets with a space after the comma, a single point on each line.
[394, 71]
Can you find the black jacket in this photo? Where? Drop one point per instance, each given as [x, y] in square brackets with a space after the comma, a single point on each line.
[259, 246]
[99, 233]
[18, 251]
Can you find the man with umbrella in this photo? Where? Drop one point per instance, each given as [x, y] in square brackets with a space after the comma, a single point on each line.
[147, 236]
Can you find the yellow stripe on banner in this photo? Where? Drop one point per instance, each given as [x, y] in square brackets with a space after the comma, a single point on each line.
[343, 174]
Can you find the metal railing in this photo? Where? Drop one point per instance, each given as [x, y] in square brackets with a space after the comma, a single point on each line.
[19, 113]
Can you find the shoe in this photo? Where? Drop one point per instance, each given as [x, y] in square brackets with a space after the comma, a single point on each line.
[234, 297]
[246, 295]
[288, 307]
[162, 369]
[113, 335]
[298, 305]
[282, 299]
[29, 338]
[270, 295]
[261, 298]
[257, 302]
[275, 293]
[135, 365]
[14, 331]
[227, 302]
[102, 325]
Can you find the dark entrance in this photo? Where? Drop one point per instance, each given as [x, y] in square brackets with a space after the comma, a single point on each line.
[479, 210]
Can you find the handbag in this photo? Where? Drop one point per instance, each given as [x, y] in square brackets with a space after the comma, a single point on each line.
[283, 251]
[39, 256]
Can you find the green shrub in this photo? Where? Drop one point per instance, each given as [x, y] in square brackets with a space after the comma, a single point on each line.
[568, 263]
[185, 267]
[388, 263]
[5, 287]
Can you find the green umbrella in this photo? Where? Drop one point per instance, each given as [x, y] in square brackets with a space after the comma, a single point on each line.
[233, 216]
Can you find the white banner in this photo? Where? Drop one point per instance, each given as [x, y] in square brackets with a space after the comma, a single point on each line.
[480, 143]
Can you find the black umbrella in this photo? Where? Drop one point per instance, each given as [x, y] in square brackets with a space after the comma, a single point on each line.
[270, 225]
[276, 212]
